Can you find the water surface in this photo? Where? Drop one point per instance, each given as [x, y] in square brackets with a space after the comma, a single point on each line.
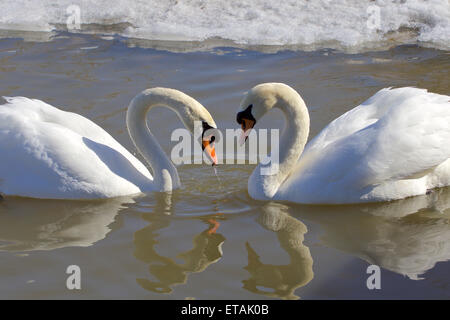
[209, 240]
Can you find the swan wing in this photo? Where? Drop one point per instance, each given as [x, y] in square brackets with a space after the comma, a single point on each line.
[49, 153]
[396, 134]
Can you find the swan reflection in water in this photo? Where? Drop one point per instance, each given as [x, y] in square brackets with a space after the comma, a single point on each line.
[207, 248]
[407, 237]
[280, 280]
[33, 224]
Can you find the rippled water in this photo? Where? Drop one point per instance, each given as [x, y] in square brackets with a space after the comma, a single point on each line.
[209, 240]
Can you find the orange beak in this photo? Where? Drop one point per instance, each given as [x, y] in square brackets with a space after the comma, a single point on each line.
[247, 126]
[210, 151]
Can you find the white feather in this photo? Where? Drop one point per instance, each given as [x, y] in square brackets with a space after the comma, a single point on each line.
[394, 145]
[50, 153]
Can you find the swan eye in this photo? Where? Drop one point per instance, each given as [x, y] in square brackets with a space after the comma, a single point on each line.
[207, 127]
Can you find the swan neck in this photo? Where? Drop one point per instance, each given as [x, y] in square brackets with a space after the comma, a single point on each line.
[164, 172]
[292, 142]
[294, 135]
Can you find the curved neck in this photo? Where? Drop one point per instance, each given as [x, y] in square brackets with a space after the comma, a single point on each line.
[290, 231]
[291, 142]
[164, 172]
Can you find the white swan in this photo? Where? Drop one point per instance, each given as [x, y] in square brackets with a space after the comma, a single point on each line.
[394, 145]
[49, 153]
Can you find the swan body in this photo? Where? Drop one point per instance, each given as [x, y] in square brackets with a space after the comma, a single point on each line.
[394, 145]
[54, 154]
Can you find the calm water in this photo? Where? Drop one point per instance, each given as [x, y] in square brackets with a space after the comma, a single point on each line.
[209, 240]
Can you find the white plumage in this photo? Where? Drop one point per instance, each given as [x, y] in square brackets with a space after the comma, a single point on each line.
[394, 145]
[49, 153]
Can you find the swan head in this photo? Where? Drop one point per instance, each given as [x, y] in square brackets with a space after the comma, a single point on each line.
[257, 102]
[194, 116]
[197, 119]
[207, 141]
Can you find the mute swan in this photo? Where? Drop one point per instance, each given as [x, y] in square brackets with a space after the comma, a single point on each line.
[394, 145]
[53, 154]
